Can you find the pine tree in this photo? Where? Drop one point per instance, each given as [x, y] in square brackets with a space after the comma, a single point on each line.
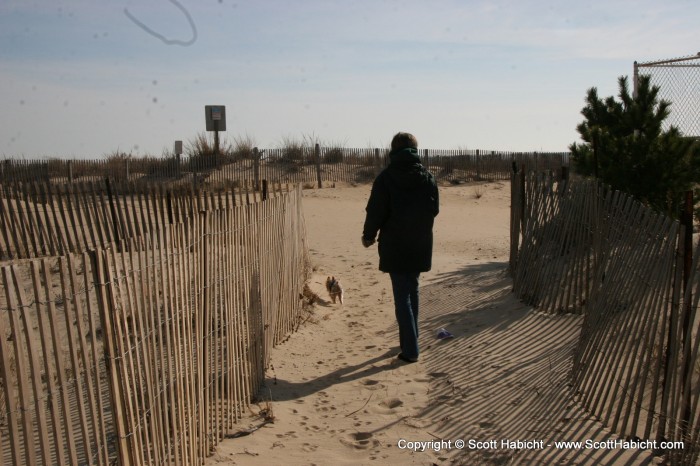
[625, 146]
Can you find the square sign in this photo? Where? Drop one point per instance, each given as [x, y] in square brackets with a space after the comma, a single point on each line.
[215, 117]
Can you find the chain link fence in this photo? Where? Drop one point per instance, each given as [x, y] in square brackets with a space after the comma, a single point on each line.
[679, 80]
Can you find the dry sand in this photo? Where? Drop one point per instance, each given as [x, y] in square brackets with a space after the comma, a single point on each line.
[340, 397]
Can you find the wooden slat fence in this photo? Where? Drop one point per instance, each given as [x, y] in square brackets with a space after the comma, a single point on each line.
[45, 219]
[312, 165]
[147, 350]
[579, 247]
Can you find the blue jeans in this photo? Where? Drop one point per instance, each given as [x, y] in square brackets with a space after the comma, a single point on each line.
[405, 288]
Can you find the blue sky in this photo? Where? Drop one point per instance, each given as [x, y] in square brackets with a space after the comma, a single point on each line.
[81, 79]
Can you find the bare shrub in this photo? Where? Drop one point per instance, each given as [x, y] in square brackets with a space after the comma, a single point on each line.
[294, 151]
[202, 152]
[115, 165]
[243, 147]
[332, 155]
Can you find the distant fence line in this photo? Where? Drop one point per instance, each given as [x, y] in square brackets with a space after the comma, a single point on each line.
[312, 165]
[580, 247]
[149, 348]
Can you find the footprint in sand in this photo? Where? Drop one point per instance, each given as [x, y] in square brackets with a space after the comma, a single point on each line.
[388, 406]
[325, 409]
[308, 447]
[392, 403]
[371, 384]
[360, 440]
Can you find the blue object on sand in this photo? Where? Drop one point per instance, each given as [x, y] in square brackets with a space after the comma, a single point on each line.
[444, 334]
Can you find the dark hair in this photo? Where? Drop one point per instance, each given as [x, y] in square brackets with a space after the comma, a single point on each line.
[403, 141]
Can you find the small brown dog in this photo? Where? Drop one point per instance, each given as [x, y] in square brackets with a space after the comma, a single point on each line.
[335, 290]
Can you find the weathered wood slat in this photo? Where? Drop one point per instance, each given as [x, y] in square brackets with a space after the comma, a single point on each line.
[58, 343]
[95, 358]
[41, 293]
[44, 343]
[70, 316]
[14, 312]
[107, 306]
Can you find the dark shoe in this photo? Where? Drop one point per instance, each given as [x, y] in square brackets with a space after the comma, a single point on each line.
[405, 359]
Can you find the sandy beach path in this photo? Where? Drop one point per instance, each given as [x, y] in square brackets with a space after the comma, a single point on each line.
[340, 397]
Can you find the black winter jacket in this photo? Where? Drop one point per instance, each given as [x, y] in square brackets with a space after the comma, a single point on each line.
[402, 207]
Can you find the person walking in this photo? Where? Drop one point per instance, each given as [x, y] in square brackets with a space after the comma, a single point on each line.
[402, 206]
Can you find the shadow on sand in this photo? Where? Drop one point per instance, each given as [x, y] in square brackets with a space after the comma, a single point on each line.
[283, 390]
[505, 376]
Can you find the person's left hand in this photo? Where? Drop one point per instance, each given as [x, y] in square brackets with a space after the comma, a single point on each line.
[367, 242]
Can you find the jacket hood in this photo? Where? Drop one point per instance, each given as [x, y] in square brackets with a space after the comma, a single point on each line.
[406, 170]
